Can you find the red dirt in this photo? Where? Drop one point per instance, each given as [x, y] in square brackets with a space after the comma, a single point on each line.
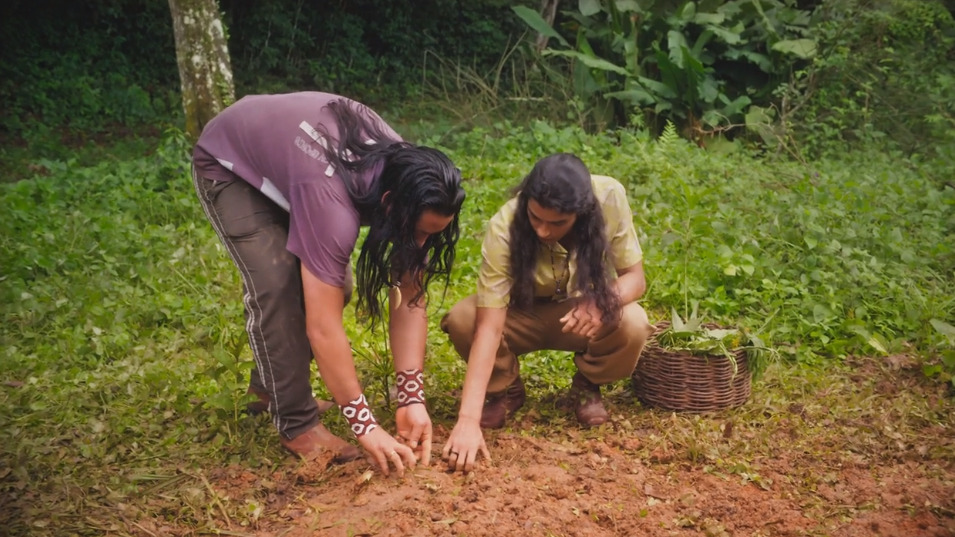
[761, 472]
[575, 486]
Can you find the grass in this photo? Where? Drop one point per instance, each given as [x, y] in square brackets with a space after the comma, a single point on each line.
[124, 359]
[31, 156]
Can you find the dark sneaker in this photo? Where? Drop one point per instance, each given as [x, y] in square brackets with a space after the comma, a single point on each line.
[588, 405]
[498, 406]
[318, 442]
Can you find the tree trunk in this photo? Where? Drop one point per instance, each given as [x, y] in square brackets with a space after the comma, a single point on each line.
[548, 11]
[202, 53]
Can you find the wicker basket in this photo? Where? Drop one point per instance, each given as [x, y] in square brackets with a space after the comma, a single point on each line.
[678, 380]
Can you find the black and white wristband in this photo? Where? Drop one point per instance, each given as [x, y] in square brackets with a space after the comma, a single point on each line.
[410, 387]
[359, 417]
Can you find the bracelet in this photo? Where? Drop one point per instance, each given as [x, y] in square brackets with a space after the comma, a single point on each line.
[359, 416]
[410, 385]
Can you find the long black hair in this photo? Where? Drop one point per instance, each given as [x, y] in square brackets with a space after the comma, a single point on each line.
[561, 182]
[410, 179]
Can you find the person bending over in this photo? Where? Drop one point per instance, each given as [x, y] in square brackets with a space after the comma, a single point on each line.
[287, 181]
[562, 269]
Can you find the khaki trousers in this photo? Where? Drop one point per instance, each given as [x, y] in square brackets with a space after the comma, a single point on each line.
[608, 357]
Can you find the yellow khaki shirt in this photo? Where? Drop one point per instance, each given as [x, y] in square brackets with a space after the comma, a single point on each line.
[494, 280]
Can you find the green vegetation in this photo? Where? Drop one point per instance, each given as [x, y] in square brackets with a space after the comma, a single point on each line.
[846, 256]
[124, 357]
[67, 66]
[694, 336]
[701, 64]
[823, 228]
[884, 75]
[802, 77]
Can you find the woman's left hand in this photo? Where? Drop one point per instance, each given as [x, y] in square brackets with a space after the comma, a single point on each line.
[584, 319]
[414, 430]
[464, 445]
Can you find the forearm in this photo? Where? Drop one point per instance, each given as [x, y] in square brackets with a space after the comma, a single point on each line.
[336, 364]
[630, 284]
[326, 335]
[408, 332]
[628, 289]
[487, 338]
[480, 366]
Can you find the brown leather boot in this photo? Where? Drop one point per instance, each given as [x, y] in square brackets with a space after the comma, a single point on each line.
[319, 441]
[497, 406]
[262, 405]
[588, 405]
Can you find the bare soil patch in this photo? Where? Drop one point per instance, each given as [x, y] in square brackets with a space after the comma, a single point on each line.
[868, 453]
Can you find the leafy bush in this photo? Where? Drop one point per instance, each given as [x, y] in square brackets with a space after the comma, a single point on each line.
[697, 64]
[74, 71]
[370, 50]
[96, 65]
[885, 74]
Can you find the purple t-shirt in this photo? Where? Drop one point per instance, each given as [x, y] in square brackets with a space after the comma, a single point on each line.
[272, 142]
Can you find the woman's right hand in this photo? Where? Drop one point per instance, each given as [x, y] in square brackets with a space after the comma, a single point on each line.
[463, 446]
[386, 451]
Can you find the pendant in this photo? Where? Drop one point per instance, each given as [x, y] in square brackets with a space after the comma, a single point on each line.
[559, 295]
[397, 297]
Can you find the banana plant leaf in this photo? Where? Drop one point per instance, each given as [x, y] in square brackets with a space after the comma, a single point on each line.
[538, 24]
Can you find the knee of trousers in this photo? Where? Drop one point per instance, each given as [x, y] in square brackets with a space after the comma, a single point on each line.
[635, 323]
[627, 340]
[459, 324]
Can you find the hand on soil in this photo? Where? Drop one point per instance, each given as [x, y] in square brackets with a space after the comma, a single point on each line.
[383, 449]
[463, 446]
[414, 430]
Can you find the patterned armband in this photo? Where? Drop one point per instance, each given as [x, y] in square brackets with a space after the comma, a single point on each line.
[410, 385]
[359, 416]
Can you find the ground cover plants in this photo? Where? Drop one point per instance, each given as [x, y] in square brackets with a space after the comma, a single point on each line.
[123, 361]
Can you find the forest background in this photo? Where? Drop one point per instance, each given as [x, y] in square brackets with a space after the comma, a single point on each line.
[790, 165]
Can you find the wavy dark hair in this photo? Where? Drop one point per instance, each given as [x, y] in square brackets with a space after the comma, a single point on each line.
[561, 182]
[416, 179]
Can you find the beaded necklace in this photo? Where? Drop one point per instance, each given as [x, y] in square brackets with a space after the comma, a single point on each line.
[560, 287]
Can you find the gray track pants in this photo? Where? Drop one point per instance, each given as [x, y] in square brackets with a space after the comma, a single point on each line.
[254, 231]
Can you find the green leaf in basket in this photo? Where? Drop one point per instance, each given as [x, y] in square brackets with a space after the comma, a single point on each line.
[676, 324]
[720, 333]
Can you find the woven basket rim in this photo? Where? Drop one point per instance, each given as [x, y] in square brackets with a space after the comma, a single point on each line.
[662, 326]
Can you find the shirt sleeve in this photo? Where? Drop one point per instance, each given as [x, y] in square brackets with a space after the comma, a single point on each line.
[494, 279]
[323, 229]
[625, 250]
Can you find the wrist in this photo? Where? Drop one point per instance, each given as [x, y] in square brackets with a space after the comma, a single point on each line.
[410, 387]
[469, 418]
[359, 417]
